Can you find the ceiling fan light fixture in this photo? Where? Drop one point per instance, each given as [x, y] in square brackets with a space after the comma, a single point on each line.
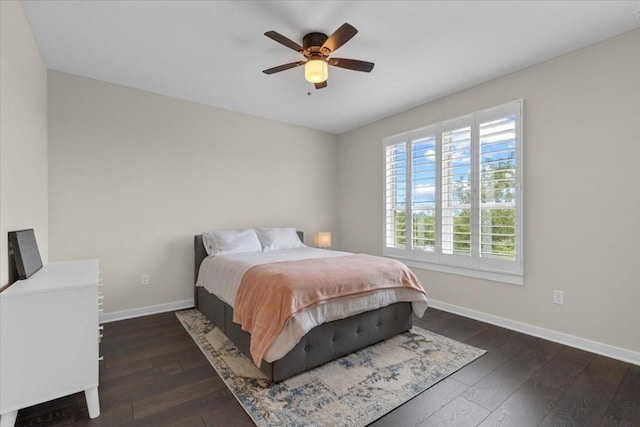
[316, 70]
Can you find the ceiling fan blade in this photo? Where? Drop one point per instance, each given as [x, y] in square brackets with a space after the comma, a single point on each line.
[284, 41]
[340, 37]
[321, 85]
[352, 64]
[283, 67]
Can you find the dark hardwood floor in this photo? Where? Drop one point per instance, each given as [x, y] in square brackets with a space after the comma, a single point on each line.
[153, 374]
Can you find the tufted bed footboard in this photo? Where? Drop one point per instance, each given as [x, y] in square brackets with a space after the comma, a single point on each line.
[321, 344]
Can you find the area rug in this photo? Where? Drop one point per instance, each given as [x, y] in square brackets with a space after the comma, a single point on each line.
[353, 390]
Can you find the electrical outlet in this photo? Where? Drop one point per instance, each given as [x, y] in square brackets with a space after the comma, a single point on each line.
[558, 297]
[144, 279]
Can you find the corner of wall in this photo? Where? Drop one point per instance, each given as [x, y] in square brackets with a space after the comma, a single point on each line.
[23, 133]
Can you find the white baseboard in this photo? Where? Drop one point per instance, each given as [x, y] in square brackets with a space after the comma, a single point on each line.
[145, 311]
[614, 352]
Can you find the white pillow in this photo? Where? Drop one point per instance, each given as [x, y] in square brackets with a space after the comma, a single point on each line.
[209, 242]
[220, 242]
[279, 238]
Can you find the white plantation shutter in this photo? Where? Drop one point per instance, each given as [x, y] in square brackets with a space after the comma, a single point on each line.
[498, 188]
[395, 195]
[453, 194]
[423, 193]
[456, 191]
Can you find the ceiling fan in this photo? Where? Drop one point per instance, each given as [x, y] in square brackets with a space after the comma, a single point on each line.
[316, 48]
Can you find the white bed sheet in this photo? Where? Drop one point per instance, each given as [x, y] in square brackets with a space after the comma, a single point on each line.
[221, 275]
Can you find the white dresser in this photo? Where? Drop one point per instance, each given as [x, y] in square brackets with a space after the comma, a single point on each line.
[49, 338]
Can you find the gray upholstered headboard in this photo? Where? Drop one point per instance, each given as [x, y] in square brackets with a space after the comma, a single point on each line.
[201, 253]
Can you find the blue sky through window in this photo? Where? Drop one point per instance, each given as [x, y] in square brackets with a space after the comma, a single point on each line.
[497, 147]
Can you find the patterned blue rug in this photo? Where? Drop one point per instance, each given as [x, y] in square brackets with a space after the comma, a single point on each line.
[354, 390]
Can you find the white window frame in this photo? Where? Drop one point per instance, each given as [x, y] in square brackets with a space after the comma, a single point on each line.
[506, 271]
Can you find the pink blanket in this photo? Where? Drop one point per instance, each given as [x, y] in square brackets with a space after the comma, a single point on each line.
[269, 294]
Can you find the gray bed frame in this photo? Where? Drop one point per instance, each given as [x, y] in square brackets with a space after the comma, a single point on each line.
[321, 344]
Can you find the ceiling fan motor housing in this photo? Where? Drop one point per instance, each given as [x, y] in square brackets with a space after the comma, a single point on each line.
[312, 43]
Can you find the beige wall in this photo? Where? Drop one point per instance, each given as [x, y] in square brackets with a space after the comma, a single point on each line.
[23, 133]
[581, 199]
[133, 176]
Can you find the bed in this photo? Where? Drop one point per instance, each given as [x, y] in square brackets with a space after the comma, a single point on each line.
[319, 345]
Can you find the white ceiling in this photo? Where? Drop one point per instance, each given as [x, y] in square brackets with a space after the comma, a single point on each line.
[213, 52]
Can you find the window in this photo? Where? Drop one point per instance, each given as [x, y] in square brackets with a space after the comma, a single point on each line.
[453, 195]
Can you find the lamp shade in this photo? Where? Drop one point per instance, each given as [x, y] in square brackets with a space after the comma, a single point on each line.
[316, 70]
[322, 239]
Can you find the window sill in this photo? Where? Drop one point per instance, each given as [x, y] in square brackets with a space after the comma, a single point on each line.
[495, 276]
